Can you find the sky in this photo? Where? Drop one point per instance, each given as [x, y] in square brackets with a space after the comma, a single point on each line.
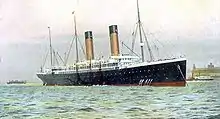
[188, 27]
[27, 20]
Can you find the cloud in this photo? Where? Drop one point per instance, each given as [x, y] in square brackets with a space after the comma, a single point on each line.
[26, 20]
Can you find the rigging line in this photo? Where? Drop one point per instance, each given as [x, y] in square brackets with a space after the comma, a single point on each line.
[166, 41]
[45, 59]
[122, 49]
[173, 47]
[157, 51]
[134, 36]
[133, 33]
[60, 57]
[163, 46]
[155, 47]
[148, 46]
[64, 58]
[148, 60]
[127, 41]
[157, 39]
[55, 58]
[169, 53]
[155, 43]
[82, 48]
[131, 50]
[158, 47]
[68, 53]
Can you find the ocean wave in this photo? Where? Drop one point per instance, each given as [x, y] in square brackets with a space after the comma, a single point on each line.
[134, 109]
[87, 109]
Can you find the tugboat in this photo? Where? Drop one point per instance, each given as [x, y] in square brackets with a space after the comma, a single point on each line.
[120, 69]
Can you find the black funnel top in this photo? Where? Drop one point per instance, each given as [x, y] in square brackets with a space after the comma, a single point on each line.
[113, 29]
[88, 34]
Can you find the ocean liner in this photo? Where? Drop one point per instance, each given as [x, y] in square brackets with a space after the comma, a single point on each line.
[119, 70]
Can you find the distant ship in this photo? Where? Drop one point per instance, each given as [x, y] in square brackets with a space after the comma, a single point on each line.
[119, 70]
[16, 82]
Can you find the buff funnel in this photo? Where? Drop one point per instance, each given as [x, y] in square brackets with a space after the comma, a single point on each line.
[113, 32]
[89, 45]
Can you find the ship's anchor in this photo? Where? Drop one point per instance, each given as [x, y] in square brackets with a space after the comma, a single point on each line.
[178, 67]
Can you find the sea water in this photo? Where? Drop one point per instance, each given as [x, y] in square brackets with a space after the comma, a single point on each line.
[196, 100]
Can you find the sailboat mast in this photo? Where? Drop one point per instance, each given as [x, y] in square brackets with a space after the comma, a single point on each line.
[51, 50]
[76, 36]
[140, 33]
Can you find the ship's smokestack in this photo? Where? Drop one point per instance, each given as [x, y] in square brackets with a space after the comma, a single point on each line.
[89, 45]
[113, 32]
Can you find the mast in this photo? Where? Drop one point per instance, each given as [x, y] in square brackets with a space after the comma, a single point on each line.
[76, 36]
[139, 26]
[51, 51]
[77, 54]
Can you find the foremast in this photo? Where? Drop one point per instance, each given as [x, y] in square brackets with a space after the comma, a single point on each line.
[77, 53]
[140, 33]
[76, 37]
[140, 27]
[51, 49]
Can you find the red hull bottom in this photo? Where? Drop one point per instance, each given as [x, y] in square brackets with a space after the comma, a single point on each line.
[179, 83]
[162, 84]
[157, 84]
